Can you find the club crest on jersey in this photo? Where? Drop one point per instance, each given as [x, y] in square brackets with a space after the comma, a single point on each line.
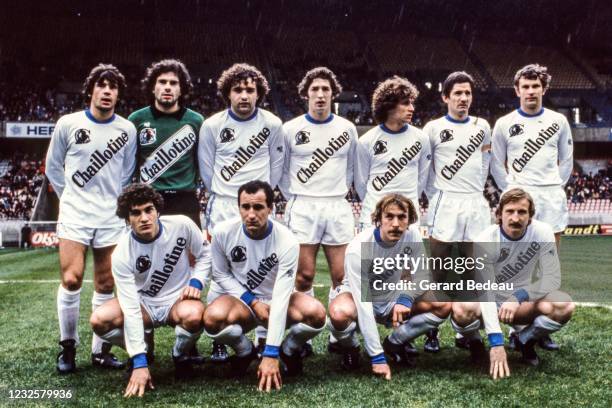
[238, 254]
[380, 147]
[143, 263]
[227, 135]
[517, 129]
[81, 136]
[147, 136]
[503, 254]
[302, 137]
[446, 135]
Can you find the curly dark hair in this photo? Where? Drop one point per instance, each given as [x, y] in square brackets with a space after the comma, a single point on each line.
[161, 67]
[137, 194]
[323, 73]
[457, 77]
[401, 201]
[98, 74]
[235, 75]
[533, 71]
[254, 186]
[389, 93]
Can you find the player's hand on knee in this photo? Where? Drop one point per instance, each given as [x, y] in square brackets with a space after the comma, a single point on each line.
[262, 311]
[382, 370]
[499, 363]
[507, 311]
[191, 293]
[269, 374]
[139, 381]
[399, 314]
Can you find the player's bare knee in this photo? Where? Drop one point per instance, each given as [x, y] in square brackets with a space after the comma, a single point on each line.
[314, 315]
[464, 313]
[562, 311]
[72, 281]
[98, 324]
[341, 314]
[215, 319]
[441, 309]
[304, 281]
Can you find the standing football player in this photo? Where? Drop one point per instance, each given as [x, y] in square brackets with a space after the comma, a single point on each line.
[237, 145]
[533, 150]
[90, 159]
[320, 148]
[254, 270]
[458, 210]
[521, 253]
[393, 157]
[167, 139]
[410, 312]
[155, 284]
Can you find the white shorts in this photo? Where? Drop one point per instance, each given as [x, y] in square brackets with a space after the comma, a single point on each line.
[550, 205]
[458, 217]
[320, 220]
[219, 209]
[159, 313]
[368, 206]
[94, 237]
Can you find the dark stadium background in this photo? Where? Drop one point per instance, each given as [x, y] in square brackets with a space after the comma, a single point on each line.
[47, 48]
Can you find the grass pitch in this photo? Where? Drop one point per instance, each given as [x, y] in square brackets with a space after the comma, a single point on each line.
[580, 374]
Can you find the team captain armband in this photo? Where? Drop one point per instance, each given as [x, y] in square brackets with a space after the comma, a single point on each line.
[195, 283]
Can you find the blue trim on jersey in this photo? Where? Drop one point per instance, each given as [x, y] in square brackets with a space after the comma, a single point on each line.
[319, 122]
[195, 283]
[266, 235]
[140, 360]
[527, 115]
[248, 297]
[521, 295]
[404, 300]
[386, 129]
[377, 236]
[453, 120]
[496, 339]
[91, 117]
[143, 241]
[239, 119]
[508, 237]
[271, 351]
[379, 359]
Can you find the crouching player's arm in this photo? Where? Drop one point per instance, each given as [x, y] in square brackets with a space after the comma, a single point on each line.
[202, 270]
[269, 368]
[133, 327]
[498, 367]
[365, 314]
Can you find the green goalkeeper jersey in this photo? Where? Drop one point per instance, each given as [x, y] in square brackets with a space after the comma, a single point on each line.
[167, 148]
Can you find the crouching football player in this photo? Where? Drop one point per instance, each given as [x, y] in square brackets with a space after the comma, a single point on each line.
[410, 312]
[254, 267]
[524, 256]
[155, 284]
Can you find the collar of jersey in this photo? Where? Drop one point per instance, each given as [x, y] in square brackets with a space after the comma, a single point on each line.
[239, 119]
[91, 117]
[266, 235]
[453, 120]
[509, 238]
[178, 115]
[386, 129]
[527, 115]
[380, 241]
[142, 241]
[319, 122]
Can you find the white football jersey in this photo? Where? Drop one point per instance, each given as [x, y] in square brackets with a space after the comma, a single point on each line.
[248, 268]
[458, 163]
[536, 149]
[157, 271]
[391, 162]
[88, 164]
[233, 151]
[319, 156]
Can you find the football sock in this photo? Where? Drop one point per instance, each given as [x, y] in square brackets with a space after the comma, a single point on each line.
[97, 300]
[541, 326]
[346, 337]
[68, 313]
[114, 337]
[234, 337]
[184, 340]
[470, 331]
[414, 327]
[298, 335]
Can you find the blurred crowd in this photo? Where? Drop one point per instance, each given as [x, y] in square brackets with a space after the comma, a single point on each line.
[21, 177]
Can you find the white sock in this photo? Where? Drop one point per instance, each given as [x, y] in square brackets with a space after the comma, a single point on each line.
[414, 327]
[470, 332]
[68, 303]
[541, 326]
[260, 333]
[298, 335]
[234, 337]
[347, 337]
[97, 300]
[184, 340]
[115, 337]
[310, 292]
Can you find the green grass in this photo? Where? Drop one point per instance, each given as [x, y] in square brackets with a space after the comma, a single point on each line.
[578, 375]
